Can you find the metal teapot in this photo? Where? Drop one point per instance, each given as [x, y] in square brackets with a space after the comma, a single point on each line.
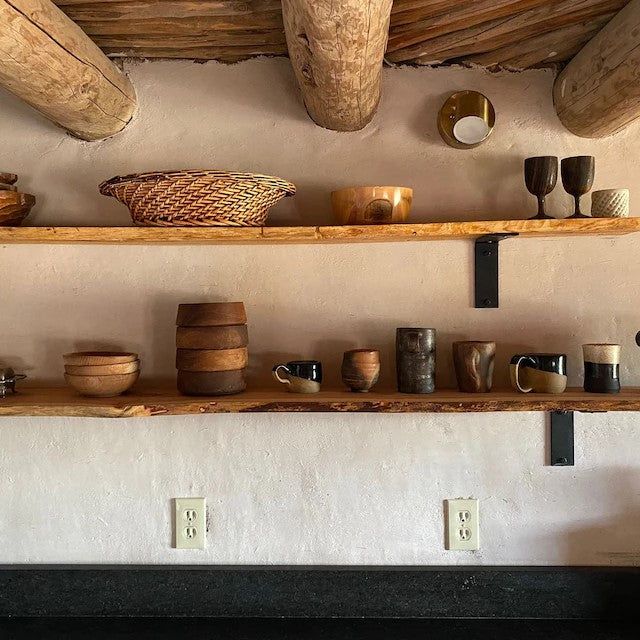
[8, 378]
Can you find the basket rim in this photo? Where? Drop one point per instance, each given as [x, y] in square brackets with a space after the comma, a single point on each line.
[288, 187]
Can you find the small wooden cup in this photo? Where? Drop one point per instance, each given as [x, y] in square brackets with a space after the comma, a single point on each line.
[360, 369]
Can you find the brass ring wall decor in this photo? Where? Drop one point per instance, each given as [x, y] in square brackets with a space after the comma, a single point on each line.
[466, 119]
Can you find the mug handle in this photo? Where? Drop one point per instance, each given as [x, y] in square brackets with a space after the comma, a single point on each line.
[517, 375]
[277, 377]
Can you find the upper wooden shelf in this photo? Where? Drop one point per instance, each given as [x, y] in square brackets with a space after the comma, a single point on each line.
[163, 400]
[328, 234]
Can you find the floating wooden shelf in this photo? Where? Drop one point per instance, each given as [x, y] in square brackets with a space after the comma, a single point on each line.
[164, 400]
[328, 234]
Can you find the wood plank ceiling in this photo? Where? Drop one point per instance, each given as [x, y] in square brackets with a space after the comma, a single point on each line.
[516, 34]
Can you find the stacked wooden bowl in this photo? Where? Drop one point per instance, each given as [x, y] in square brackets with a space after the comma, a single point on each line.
[211, 341]
[14, 205]
[101, 374]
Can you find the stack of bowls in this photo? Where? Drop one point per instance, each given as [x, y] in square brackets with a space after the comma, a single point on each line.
[101, 374]
[211, 341]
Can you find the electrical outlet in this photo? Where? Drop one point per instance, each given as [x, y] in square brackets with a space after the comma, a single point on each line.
[190, 518]
[462, 525]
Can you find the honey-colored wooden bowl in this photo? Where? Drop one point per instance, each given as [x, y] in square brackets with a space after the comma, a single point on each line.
[102, 386]
[211, 314]
[103, 369]
[93, 358]
[371, 205]
[230, 337]
[14, 207]
[211, 383]
[211, 359]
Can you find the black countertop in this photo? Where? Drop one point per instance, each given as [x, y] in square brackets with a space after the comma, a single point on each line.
[345, 629]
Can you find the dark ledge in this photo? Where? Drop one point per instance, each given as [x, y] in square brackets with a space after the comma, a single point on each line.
[575, 593]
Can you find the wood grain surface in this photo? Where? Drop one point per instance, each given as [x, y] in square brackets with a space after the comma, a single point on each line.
[49, 62]
[510, 33]
[598, 93]
[336, 50]
[328, 234]
[163, 399]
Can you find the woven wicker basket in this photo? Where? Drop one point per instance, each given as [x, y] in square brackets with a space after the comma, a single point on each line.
[198, 198]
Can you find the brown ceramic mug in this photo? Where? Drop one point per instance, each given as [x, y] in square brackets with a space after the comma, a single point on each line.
[360, 369]
[474, 362]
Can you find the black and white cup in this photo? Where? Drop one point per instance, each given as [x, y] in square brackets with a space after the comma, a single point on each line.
[601, 368]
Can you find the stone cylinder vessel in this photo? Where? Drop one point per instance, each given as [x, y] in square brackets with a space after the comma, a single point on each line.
[416, 360]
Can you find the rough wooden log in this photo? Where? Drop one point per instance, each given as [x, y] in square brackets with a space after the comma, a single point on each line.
[336, 49]
[598, 93]
[497, 33]
[547, 49]
[49, 62]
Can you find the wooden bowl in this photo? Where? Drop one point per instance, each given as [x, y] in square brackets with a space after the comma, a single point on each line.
[211, 314]
[371, 205]
[211, 359]
[102, 386]
[211, 383]
[103, 369]
[230, 337]
[93, 358]
[14, 207]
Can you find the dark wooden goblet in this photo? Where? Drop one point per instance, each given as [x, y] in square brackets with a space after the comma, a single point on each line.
[541, 176]
[577, 179]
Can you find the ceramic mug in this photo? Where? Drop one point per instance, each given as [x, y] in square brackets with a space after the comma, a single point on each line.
[300, 376]
[601, 368]
[610, 203]
[360, 369]
[539, 372]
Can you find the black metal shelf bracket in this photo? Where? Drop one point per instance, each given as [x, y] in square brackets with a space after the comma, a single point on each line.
[486, 270]
[561, 454]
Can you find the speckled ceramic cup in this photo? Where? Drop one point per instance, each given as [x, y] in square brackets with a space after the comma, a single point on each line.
[601, 367]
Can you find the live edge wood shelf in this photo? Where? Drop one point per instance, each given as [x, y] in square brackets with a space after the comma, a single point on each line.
[325, 234]
[164, 400]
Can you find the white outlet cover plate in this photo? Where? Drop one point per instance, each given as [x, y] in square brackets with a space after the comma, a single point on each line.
[190, 518]
[463, 525]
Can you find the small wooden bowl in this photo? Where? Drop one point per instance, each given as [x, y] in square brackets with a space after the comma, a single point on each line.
[211, 359]
[211, 314]
[231, 337]
[102, 386]
[93, 358]
[14, 207]
[103, 369]
[371, 205]
[211, 383]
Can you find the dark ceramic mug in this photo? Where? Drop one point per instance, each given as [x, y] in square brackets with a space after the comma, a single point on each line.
[539, 372]
[300, 376]
[601, 368]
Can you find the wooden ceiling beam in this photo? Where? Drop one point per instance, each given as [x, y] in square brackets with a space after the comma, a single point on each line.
[549, 48]
[503, 31]
[336, 50]
[49, 62]
[598, 92]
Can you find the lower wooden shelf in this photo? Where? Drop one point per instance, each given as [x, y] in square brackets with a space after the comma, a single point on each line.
[162, 399]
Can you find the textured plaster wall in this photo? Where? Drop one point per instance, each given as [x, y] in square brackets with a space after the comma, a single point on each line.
[315, 488]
